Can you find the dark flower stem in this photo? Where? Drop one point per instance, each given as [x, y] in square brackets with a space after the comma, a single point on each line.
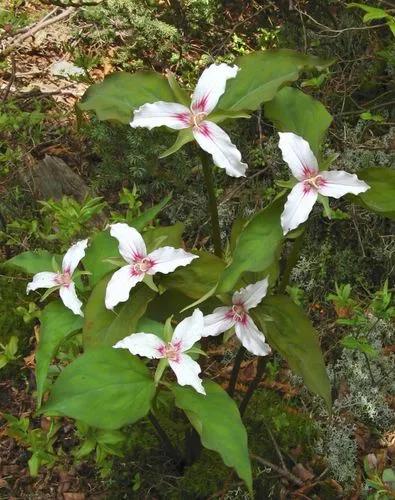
[172, 450]
[212, 202]
[291, 262]
[235, 371]
[260, 370]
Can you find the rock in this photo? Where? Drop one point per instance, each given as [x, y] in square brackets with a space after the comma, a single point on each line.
[53, 178]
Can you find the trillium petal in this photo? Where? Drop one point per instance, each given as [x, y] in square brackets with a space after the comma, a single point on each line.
[119, 286]
[167, 259]
[70, 299]
[187, 372]
[73, 256]
[251, 295]
[210, 86]
[42, 280]
[189, 331]
[171, 114]
[131, 243]
[298, 206]
[297, 153]
[339, 183]
[142, 344]
[251, 338]
[218, 322]
[216, 141]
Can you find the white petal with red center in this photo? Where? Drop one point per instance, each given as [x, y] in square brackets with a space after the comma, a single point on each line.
[338, 183]
[157, 114]
[131, 243]
[120, 284]
[215, 141]
[73, 256]
[218, 322]
[42, 280]
[188, 331]
[251, 295]
[297, 153]
[166, 259]
[143, 344]
[70, 299]
[251, 338]
[187, 372]
[210, 87]
[298, 206]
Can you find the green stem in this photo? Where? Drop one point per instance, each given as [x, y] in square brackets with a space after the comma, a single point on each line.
[260, 370]
[173, 451]
[235, 371]
[212, 203]
[291, 262]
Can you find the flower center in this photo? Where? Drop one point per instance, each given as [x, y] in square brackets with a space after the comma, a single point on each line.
[238, 313]
[142, 266]
[316, 181]
[63, 279]
[171, 351]
[196, 119]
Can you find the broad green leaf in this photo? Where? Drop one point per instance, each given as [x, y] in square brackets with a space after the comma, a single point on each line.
[147, 216]
[102, 246]
[262, 74]
[293, 111]
[291, 333]
[119, 94]
[196, 279]
[183, 137]
[380, 198]
[372, 13]
[164, 236]
[57, 323]
[220, 116]
[359, 344]
[217, 420]
[105, 388]
[33, 262]
[147, 325]
[180, 94]
[257, 246]
[103, 327]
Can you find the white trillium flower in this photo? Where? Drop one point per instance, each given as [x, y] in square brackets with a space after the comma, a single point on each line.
[63, 279]
[185, 335]
[210, 137]
[132, 248]
[312, 182]
[224, 318]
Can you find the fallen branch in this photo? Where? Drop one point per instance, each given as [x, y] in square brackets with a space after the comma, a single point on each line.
[286, 474]
[34, 29]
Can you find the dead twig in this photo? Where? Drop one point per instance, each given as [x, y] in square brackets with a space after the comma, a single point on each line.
[34, 29]
[287, 475]
[10, 81]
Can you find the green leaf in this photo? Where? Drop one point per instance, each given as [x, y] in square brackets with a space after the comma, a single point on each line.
[293, 111]
[196, 279]
[33, 262]
[119, 94]
[217, 420]
[147, 216]
[372, 13]
[57, 323]
[380, 198]
[105, 388]
[359, 344]
[103, 327]
[220, 116]
[262, 74]
[180, 94]
[183, 137]
[102, 246]
[291, 333]
[164, 236]
[257, 246]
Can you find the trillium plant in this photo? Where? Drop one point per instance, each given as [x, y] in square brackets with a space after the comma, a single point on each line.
[149, 311]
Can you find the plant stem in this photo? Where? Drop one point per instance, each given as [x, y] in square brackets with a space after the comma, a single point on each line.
[235, 371]
[172, 450]
[212, 203]
[291, 262]
[260, 370]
